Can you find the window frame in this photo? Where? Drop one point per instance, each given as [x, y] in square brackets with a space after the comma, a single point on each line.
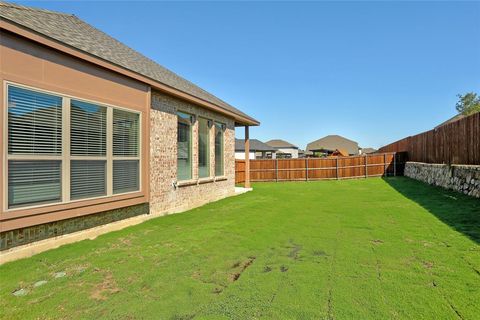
[209, 147]
[191, 124]
[223, 127]
[66, 156]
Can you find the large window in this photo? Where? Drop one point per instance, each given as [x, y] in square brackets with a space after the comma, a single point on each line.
[219, 159]
[203, 148]
[184, 146]
[62, 149]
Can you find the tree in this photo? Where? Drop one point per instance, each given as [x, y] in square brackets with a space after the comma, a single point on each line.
[468, 104]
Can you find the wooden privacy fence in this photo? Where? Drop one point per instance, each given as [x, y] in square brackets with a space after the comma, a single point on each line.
[453, 143]
[306, 169]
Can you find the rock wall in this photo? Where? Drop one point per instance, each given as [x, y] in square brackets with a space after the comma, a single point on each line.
[461, 178]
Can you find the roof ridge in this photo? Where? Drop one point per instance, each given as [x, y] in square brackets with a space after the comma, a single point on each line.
[21, 7]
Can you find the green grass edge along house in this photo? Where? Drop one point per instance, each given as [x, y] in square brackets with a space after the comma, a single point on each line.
[93, 133]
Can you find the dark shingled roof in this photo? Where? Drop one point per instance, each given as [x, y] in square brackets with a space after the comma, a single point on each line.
[70, 30]
[277, 143]
[332, 143]
[255, 145]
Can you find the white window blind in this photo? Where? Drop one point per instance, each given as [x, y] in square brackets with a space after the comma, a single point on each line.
[88, 129]
[87, 179]
[101, 155]
[125, 133]
[125, 176]
[34, 122]
[34, 182]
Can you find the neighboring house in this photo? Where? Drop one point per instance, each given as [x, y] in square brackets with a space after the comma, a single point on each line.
[368, 150]
[339, 153]
[258, 150]
[95, 132]
[304, 154]
[452, 119]
[331, 143]
[284, 149]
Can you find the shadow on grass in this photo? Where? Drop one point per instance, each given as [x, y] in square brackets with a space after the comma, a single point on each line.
[459, 211]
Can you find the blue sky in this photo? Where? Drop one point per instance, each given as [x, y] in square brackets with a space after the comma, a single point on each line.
[373, 72]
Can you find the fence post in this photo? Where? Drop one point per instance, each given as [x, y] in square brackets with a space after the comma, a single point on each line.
[394, 164]
[366, 168]
[276, 170]
[306, 169]
[385, 164]
[337, 166]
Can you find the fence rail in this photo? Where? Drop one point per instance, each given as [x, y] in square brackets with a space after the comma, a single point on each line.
[453, 143]
[306, 169]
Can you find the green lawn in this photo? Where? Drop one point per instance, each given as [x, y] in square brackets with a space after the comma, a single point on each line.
[358, 249]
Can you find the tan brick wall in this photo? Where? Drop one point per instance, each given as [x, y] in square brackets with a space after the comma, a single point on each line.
[164, 197]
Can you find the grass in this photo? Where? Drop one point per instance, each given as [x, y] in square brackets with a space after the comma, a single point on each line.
[358, 249]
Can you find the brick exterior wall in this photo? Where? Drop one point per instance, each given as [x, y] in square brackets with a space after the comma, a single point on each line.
[18, 237]
[164, 197]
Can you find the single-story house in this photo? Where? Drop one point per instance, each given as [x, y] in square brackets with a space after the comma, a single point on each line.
[258, 150]
[284, 149]
[330, 143]
[94, 132]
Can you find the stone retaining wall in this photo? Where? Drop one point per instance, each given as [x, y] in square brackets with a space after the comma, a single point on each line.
[461, 178]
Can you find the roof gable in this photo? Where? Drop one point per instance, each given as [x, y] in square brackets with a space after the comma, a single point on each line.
[278, 143]
[334, 142]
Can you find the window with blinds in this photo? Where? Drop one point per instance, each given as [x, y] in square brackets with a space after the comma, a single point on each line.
[126, 161]
[88, 129]
[102, 148]
[87, 179]
[219, 158]
[203, 148]
[34, 182]
[184, 146]
[125, 133]
[125, 176]
[34, 122]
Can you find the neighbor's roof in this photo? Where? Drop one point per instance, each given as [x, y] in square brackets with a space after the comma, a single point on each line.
[277, 143]
[369, 150]
[255, 145]
[452, 119]
[73, 32]
[334, 142]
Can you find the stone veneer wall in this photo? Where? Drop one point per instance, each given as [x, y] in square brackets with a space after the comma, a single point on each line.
[164, 197]
[462, 178]
[18, 237]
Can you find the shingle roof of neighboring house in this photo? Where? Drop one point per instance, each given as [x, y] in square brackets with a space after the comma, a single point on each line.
[255, 145]
[70, 30]
[452, 119]
[277, 143]
[332, 143]
[369, 150]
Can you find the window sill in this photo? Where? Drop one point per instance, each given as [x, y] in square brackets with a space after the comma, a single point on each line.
[205, 180]
[221, 178]
[185, 183]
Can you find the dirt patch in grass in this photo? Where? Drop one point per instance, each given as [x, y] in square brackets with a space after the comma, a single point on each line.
[106, 287]
[283, 268]
[377, 241]
[247, 263]
[296, 248]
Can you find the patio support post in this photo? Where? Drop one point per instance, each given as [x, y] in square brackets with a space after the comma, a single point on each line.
[247, 157]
